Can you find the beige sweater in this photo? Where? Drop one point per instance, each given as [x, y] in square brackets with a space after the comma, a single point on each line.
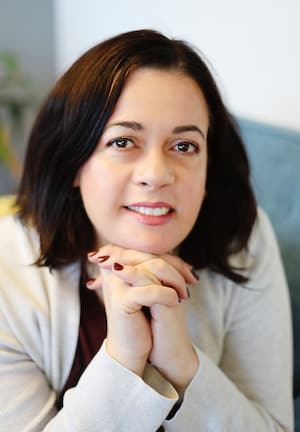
[242, 335]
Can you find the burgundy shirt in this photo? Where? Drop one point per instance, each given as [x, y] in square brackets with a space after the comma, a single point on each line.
[92, 332]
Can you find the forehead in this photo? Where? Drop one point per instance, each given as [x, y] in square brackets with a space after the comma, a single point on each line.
[165, 94]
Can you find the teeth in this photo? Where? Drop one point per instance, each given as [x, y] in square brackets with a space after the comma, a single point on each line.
[157, 211]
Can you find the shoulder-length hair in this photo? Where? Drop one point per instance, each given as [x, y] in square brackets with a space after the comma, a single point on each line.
[67, 131]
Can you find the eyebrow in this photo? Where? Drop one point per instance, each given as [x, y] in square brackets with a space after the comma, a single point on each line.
[138, 127]
[128, 124]
[189, 128]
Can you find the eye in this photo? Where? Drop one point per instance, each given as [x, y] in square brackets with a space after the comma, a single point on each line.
[186, 147]
[121, 143]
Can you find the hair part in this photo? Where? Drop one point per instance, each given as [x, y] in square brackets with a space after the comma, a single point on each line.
[67, 131]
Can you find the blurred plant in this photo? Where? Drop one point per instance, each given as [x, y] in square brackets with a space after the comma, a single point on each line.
[17, 94]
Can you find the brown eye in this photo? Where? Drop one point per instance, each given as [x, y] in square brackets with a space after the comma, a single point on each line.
[186, 147]
[121, 143]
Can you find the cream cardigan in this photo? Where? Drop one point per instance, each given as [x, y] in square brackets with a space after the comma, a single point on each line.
[242, 335]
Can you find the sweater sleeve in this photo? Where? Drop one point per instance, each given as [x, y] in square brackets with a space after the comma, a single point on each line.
[108, 397]
[115, 399]
[250, 389]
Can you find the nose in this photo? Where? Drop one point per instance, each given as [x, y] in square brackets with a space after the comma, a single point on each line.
[154, 170]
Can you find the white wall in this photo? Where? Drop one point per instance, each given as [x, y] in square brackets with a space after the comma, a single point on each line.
[254, 46]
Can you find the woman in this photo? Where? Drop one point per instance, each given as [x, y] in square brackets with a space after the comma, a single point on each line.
[141, 289]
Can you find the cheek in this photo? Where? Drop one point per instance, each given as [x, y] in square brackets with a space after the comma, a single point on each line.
[195, 185]
[93, 173]
[194, 193]
[101, 185]
[92, 181]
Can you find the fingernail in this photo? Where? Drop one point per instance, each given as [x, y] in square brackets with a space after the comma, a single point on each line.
[102, 258]
[118, 266]
[179, 299]
[91, 253]
[90, 282]
[188, 292]
[194, 274]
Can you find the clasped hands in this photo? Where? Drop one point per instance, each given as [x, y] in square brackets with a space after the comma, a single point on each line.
[128, 282]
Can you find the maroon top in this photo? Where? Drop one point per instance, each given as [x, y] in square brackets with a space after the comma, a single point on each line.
[92, 332]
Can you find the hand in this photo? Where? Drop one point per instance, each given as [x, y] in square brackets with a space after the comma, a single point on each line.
[114, 253]
[129, 338]
[140, 284]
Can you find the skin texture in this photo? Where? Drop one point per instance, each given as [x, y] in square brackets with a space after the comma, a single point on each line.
[152, 155]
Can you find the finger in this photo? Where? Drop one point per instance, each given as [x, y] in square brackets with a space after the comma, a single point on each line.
[94, 283]
[134, 275]
[96, 257]
[107, 254]
[132, 297]
[110, 253]
[183, 267]
[166, 274]
[154, 271]
[149, 295]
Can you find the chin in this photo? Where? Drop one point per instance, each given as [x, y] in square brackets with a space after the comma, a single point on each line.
[154, 250]
[152, 247]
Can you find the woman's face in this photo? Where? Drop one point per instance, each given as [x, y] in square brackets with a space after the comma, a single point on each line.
[144, 185]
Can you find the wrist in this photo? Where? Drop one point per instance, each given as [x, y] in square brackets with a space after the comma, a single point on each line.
[181, 373]
[131, 361]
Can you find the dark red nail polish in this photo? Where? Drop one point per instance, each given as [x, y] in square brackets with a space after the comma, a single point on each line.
[194, 274]
[118, 266]
[90, 282]
[102, 258]
[188, 292]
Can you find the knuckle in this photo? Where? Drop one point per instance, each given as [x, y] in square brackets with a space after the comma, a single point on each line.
[152, 294]
[173, 297]
[103, 250]
[159, 264]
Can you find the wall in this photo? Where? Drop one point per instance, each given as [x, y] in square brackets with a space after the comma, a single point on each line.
[27, 29]
[253, 46]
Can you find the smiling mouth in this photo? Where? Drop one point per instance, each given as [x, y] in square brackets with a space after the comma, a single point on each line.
[151, 211]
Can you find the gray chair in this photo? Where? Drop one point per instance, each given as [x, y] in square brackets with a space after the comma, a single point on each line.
[275, 160]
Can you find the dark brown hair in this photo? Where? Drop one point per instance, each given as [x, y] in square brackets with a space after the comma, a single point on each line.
[67, 130]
